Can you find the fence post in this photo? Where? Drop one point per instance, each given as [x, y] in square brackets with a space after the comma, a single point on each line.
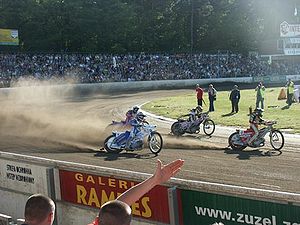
[173, 206]
[51, 188]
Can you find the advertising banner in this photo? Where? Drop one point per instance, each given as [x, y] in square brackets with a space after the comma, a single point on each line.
[23, 177]
[270, 79]
[292, 40]
[205, 209]
[289, 30]
[93, 191]
[293, 77]
[9, 37]
[291, 51]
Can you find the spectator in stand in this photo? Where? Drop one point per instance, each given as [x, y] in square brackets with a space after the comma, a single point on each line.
[199, 91]
[212, 96]
[39, 210]
[260, 95]
[118, 212]
[235, 98]
[93, 68]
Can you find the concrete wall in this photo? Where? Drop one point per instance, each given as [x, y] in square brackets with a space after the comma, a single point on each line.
[12, 203]
[153, 85]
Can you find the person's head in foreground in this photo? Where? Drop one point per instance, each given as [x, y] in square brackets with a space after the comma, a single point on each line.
[115, 213]
[39, 210]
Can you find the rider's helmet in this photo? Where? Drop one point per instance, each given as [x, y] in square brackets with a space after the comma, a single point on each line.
[140, 116]
[258, 112]
[135, 109]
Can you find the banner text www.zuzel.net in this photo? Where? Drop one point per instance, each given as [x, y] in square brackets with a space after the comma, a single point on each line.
[240, 217]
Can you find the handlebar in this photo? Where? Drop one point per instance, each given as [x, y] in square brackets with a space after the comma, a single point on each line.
[270, 123]
[149, 126]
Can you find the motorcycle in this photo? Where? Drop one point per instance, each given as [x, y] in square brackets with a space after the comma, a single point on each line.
[119, 141]
[182, 126]
[239, 139]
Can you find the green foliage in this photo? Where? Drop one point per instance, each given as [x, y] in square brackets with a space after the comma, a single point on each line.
[287, 118]
[120, 26]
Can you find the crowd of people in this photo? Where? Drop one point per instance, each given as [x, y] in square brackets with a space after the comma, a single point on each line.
[93, 68]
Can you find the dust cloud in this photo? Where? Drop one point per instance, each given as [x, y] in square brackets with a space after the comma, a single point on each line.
[35, 113]
[49, 112]
[191, 143]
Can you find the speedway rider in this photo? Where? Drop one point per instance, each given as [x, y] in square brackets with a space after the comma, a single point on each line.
[255, 120]
[136, 131]
[194, 113]
[131, 114]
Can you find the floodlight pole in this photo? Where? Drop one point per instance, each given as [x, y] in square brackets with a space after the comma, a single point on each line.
[192, 25]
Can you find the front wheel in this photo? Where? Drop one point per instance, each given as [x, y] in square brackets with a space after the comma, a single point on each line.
[107, 145]
[155, 142]
[209, 127]
[276, 139]
[176, 129]
[234, 140]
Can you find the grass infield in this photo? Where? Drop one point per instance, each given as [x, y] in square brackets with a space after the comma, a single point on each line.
[288, 119]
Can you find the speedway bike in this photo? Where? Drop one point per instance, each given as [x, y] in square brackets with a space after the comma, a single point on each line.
[182, 126]
[239, 139]
[128, 141]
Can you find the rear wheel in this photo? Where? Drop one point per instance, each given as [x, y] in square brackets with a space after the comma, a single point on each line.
[276, 139]
[233, 142]
[155, 142]
[176, 129]
[107, 145]
[209, 127]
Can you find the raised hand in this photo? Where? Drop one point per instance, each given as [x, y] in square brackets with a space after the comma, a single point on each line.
[164, 172]
[161, 175]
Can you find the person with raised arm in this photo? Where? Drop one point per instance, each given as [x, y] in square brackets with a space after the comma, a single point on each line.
[118, 212]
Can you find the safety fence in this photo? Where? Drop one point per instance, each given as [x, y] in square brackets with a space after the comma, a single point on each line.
[79, 190]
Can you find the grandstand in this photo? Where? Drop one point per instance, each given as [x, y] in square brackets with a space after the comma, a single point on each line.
[96, 68]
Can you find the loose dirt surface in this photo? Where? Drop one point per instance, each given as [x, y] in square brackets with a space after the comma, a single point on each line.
[44, 122]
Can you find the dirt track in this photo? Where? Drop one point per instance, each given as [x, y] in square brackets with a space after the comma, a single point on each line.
[43, 123]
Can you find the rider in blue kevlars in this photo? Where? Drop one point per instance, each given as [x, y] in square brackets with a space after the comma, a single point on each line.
[136, 132]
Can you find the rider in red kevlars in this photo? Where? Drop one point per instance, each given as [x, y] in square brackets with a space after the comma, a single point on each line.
[131, 114]
[255, 120]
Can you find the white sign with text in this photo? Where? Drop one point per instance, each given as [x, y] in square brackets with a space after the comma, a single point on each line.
[23, 177]
[289, 30]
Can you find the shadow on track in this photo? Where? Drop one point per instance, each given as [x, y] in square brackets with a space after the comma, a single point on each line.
[246, 155]
[123, 155]
[228, 114]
